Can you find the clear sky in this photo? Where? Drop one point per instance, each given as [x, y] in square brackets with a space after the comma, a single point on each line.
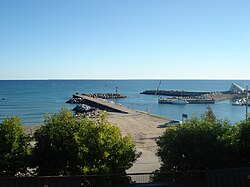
[125, 39]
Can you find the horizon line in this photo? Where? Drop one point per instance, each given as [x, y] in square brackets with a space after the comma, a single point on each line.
[48, 79]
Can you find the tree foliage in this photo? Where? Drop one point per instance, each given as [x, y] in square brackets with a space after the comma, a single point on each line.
[242, 143]
[204, 143]
[13, 147]
[67, 145]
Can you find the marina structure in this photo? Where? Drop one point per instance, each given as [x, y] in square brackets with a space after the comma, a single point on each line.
[195, 97]
[235, 88]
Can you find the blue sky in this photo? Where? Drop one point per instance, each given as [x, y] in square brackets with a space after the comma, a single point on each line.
[125, 39]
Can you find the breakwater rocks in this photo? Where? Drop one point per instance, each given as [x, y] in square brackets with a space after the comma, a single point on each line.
[105, 95]
[79, 100]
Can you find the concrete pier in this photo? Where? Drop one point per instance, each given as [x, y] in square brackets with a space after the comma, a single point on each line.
[101, 104]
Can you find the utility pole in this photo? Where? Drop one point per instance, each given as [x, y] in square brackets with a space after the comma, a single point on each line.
[247, 104]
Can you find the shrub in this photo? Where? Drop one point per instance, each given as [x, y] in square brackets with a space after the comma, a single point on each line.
[13, 147]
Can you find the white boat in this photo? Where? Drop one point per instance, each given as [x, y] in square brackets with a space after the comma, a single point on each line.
[171, 123]
[180, 101]
[177, 101]
[241, 102]
[237, 102]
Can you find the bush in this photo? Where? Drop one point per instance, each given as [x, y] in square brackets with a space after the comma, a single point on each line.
[13, 147]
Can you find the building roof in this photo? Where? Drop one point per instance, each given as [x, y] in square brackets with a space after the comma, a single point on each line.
[236, 88]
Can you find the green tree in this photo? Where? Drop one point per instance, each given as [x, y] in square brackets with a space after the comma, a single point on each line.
[209, 115]
[202, 143]
[104, 150]
[242, 143]
[67, 145]
[13, 147]
[56, 150]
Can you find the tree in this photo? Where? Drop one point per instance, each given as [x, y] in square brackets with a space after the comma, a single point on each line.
[242, 143]
[56, 150]
[209, 115]
[67, 145]
[202, 143]
[13, 147]
[104, 148]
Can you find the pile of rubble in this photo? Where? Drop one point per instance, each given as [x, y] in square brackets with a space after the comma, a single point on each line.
[85, 110]
[82, 108]
[75, 100]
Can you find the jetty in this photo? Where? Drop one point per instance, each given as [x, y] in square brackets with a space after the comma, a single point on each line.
[100, 103]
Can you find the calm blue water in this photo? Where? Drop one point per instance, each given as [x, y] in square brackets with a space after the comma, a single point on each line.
[30, 100]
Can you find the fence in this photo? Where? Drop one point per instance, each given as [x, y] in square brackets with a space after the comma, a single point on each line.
[239, 177]
[40, 181]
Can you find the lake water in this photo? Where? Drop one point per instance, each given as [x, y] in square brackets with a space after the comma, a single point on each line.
[31, 99]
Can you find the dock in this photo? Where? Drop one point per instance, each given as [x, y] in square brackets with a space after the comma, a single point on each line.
[176, 93]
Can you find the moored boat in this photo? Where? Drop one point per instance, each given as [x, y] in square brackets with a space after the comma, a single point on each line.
[177, 101]
[241, 102]
[183, 101]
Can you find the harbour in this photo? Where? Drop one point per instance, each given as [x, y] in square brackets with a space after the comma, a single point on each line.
[30, 100]
[193, 97]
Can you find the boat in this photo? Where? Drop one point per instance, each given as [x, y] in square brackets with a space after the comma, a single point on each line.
[237, 102]
[183, 100]
[180, 102]
[241, 102]
[177, 101]
[170, 123]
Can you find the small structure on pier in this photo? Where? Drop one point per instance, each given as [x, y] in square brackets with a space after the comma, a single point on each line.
[235, 88]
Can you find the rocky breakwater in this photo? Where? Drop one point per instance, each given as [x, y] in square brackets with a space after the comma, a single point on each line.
[79, 100]
[105, 95]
